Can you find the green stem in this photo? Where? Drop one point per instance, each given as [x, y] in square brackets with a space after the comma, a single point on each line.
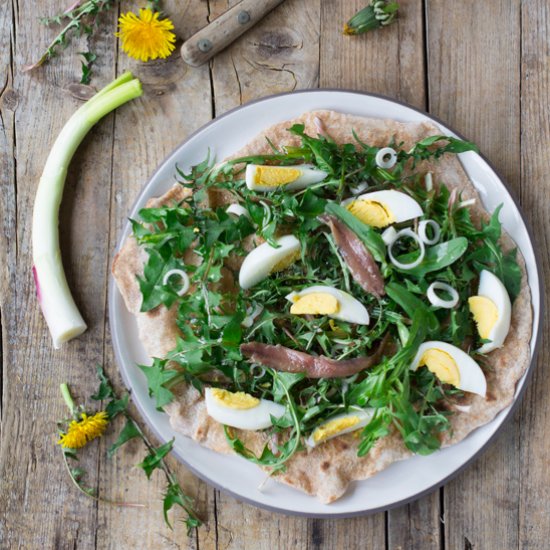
[79, 486]
[67, 397]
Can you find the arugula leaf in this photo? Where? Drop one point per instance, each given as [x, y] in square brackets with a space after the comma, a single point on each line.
[153, 291]
[105, 391]
[130, 431]
[232, 332]
[155, 458]
[490, 256]
[378, 427]
[157, 376]
[117, 406]
[410, 303]
[283, 383]
[324, 151]
[437, 257]
[174, 496]
[86, 66]
[422, 151]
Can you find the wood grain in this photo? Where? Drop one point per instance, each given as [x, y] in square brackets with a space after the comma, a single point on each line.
[480, 97]
[482, 67]
[389, 61]
[281, 54]
[141, 140]
[43, 510]
[534, 418]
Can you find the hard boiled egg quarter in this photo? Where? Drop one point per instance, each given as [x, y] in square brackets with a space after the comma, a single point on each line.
[291, 178]
[382, 208]
[492, 311]
[339, 425]
[241, 410]
[266, 259]
[327, 300]
[452, 366]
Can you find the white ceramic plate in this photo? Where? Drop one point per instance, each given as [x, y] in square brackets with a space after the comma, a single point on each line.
[401, 482]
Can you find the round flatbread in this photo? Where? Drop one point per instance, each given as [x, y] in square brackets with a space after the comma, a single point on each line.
[327, 470]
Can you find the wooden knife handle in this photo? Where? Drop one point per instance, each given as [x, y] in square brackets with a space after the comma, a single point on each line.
[224, 30]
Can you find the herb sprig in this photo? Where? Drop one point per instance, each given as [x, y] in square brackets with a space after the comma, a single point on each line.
[155, 459]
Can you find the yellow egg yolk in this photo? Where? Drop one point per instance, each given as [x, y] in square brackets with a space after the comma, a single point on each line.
[372, 213]
[334, 427]
[315, 303]
[237, 400]
[285, 262]
[442, 365]
[485, 314]
[273, 176]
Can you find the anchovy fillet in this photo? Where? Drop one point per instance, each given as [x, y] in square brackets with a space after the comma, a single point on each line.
[356, 255]
[285, 359]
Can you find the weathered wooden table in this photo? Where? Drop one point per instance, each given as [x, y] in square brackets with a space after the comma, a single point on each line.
[483, 67]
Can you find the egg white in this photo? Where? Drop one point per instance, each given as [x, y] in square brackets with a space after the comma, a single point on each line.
[490, 286]
[255, 418]
[260, 262]
[350, 310]
[472, 378]
[402, 206]
[364, 415]
[308, 176]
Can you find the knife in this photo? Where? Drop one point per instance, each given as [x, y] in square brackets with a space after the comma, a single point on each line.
[217, 35]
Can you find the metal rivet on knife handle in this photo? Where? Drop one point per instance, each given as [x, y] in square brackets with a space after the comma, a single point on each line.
[225, 29]
[243, 17]
[204, 45]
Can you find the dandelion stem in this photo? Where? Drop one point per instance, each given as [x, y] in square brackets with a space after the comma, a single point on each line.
[88, 492]
[67, 397]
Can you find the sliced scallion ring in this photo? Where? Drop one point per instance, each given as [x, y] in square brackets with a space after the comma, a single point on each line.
[436, 300]
[428, 181]
[359, 188]
[388, 235]
[184, 280]
[466, 203]
[386, 157]
[237, 210]
[407, 233]
[422, 231]
[251, 314]
[257, 371]
[268, 214]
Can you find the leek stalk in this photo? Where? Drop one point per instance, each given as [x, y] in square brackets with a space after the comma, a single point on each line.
[57, 304]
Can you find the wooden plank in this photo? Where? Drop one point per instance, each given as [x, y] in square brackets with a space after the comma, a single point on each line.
[176, 101]
[387, 61]
[280, 54]
[8, 105]
[534, 527]
[42, 508]
[478, 95]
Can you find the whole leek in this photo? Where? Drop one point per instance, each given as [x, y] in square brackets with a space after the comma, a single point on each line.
[57, 304]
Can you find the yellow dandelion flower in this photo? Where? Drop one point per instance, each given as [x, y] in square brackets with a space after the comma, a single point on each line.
[82, 431]
[146, 37]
